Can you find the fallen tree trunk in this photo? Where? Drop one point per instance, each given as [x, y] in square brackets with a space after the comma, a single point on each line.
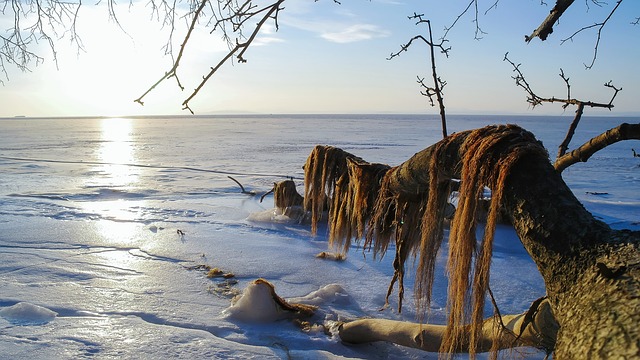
[591, 272]
[536, 328]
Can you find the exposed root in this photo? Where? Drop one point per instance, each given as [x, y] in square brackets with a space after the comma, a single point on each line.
[242, 187]
[300, 309]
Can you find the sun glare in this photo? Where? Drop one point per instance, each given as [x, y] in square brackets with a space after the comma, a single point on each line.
[113, 179]
[115, 152]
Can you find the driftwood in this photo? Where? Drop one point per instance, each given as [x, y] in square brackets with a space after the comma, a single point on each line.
[591, 272]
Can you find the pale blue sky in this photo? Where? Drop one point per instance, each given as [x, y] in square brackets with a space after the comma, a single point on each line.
[329, 58]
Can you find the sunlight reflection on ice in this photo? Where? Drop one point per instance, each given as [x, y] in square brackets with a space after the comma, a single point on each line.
[116, 148]
[115, 232]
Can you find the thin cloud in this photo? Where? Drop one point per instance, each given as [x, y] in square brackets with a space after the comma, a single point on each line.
[353, 33]
[268, 35]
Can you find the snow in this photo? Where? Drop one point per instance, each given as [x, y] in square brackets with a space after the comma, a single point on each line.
[108, 228]
[24, 313]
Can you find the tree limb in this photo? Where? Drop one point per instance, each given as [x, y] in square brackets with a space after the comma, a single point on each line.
[270, 12]
[546, 27]
[176, 63]
[583, 153]
[535, 100]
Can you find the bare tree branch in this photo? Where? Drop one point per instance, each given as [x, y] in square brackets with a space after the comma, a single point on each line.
[600, 26]
[478, 30]
[535, 100]
[268, 12]
[438, 83]
[621, 132]
[176, 63]
[229, 17]
[35, 21]
[546, 27]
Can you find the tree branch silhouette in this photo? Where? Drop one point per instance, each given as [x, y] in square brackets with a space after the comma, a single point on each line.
[176, 62]
[478, 30]
[268, 12]
[600, 26]
[438, 83]
[229, 13]
[546, 27]
[563, 159]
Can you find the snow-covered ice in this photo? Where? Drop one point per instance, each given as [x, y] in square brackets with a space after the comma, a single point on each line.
[109, 227]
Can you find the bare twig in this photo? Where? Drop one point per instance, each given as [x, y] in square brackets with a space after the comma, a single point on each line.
[176, 63]
[600, 26]
[535, 100]
[268, 12]
[478, 30]
[438, 83]
[35, 21]
[241, 187]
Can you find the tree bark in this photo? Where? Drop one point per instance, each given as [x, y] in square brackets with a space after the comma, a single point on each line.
[546, 27]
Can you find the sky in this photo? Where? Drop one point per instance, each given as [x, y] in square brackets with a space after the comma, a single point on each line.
[332, 58]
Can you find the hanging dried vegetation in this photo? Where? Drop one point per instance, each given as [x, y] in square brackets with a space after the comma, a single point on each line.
[486, 158]
[285, 195]
[371, 202]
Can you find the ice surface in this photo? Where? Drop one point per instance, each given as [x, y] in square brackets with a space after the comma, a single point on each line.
[24, 313]
[113, 223]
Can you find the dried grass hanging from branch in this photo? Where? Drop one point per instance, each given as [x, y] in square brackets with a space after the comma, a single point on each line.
[486, 155]
[344, 185]
[395, 217]
[353, 201]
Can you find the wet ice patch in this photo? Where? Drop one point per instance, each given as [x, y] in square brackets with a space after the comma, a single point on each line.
[24, 313]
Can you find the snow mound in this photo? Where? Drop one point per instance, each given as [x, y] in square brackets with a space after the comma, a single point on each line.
[332, 293]
[24, 313]
[256, 304]
[289, 215]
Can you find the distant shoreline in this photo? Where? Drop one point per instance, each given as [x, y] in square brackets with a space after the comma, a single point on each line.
[304, 115]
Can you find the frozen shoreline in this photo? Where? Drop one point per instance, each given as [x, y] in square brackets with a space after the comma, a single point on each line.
[98, 243]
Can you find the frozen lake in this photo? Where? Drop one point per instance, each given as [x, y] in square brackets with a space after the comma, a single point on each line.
[108, 227]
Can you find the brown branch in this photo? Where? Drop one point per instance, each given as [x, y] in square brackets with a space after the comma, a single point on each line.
[583, 153]
[546, 27]
[270, 12]
[538, 329]
[176, 63]
[535, 100]
[439, 84]
[562, 149]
